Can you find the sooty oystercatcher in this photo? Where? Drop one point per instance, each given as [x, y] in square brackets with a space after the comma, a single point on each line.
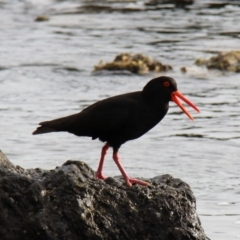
[118, 119]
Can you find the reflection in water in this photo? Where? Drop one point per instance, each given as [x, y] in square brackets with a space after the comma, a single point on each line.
[46, 72]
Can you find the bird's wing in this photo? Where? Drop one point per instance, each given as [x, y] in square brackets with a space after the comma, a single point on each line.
[97, 119]
[106, 115]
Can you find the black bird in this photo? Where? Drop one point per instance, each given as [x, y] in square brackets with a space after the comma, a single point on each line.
[118, 119]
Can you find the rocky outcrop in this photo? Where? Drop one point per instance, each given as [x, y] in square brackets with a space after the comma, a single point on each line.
[69, 203]
[134, 63]
[225, 61]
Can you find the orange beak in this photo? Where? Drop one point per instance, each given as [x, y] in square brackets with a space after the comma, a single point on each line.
[176, 95]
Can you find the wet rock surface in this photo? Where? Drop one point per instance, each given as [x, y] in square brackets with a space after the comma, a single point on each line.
[69, 203]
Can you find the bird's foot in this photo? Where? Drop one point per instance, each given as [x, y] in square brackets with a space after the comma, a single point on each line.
[131, 181]
[100, 175]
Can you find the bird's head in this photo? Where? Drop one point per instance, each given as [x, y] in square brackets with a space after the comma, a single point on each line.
[165, 89]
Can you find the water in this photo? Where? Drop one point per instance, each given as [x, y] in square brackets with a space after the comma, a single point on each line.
[46, 72]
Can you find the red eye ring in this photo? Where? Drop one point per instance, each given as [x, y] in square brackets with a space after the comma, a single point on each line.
[166, 84]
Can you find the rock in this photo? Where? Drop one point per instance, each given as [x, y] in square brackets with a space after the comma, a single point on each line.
[69, 203]
[176, 2]
[134, 63]
[226, 61]
[41, 18]
[183, 69]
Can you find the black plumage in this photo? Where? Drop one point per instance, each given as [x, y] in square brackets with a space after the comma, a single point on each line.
[118, 119]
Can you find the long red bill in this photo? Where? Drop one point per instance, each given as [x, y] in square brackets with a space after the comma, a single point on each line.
[175, 96]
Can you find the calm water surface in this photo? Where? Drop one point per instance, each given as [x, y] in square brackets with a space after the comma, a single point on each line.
[46, 72]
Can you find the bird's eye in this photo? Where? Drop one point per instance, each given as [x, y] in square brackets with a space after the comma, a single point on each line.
[166, 84]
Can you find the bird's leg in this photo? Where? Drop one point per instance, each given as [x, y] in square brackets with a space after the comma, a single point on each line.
[128, 180]
[99, 173]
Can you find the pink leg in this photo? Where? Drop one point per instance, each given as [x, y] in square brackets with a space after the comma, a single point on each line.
[99, 173]
[128, 180]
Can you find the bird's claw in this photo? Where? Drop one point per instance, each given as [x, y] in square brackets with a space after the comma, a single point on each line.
[131, 181]
[100, 175]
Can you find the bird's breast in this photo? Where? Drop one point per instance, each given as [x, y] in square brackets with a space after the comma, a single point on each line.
[142, 120]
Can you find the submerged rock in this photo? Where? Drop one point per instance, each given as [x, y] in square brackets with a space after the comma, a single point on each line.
[134, 63]
[176, 2]
[69, 203]
[41, 18]
[227, 61]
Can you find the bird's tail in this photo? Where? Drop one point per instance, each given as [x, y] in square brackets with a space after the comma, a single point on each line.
[42, 129]
[56, 125]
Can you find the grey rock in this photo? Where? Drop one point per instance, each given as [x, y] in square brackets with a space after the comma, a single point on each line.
[68, 203]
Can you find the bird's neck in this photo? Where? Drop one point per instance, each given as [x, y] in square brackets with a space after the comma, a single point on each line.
[156, 101]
